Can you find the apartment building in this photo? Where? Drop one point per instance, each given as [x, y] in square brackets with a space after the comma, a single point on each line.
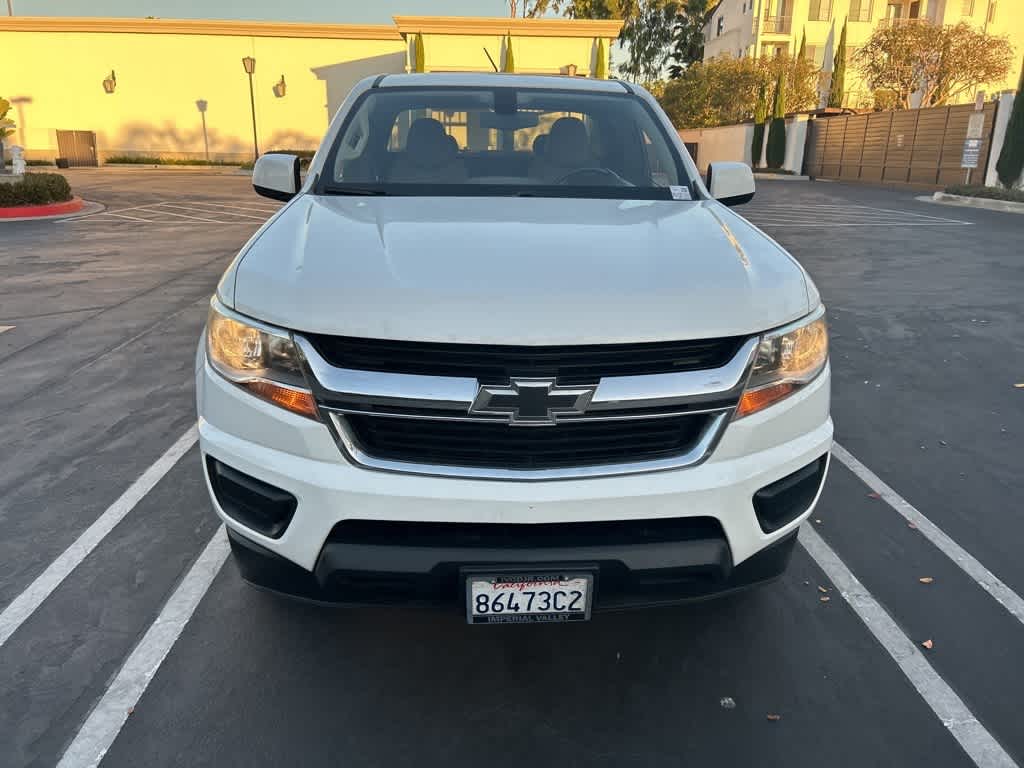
[744, 28]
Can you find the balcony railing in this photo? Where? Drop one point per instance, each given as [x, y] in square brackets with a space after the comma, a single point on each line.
[901, 22]
[777, 25]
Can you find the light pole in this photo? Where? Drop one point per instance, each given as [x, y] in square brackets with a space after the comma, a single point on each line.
[201, 106]
[10, 7]
[249, 63]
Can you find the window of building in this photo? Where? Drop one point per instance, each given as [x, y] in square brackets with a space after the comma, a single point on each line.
[772, 50]
[860, 10]
[721, 25]
[968, 8]
[820, 10]
[816, 55]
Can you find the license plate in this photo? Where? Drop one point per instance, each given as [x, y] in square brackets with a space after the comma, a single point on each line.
[526, 598]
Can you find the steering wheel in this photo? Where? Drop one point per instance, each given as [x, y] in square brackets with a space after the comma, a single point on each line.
[564, 179]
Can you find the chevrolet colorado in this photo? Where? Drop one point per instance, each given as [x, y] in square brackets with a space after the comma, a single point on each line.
[503, 348]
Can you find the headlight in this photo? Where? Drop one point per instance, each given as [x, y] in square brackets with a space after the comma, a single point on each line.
[258, 358]
[787, 359]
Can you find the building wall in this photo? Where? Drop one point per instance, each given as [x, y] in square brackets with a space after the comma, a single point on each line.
[820, 33]
[54, 70]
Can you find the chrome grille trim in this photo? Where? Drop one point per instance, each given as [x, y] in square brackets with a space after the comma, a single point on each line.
[341, 391]
[698, 453]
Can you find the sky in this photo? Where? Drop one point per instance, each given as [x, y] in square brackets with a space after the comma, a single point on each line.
[338, 11]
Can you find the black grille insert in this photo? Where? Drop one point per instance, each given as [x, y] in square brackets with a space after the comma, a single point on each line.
[525, 535]
[497, 363]
[498, 445]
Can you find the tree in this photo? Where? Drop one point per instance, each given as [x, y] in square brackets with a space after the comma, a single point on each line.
[941, 62]
[801, 75]
[802, 54]
[720, 91]
[510, 60]
[837, 88]
[1011, 158]
[724, 90]
[648, 31]
[776, 151]
[688, 36]
[601, 68]
[420, 61]
[760, 116]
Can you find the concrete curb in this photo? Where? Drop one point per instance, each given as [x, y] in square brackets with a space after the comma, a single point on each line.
[88, 208]
[944, 198]
[780, 177]
[214, 169]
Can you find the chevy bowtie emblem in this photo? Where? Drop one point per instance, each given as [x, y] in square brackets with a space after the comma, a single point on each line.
[531, 402]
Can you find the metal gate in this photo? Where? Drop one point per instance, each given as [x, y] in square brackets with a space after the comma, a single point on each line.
[79, 147]
[913, 146]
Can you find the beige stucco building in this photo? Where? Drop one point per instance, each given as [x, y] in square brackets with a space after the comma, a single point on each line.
[769, 27]
[146, 86]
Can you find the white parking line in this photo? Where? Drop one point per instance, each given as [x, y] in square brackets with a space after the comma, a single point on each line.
[111, 213]
[191, 207]
[5, 328]
[257, 208]
[987, 580]
[977, 742]
[25, 604]
[108, 717]
[184, 216]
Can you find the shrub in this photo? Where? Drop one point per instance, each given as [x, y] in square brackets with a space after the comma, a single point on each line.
[1011, 158]
[152, 160]
[39, 162]
[36, 189]
[776, 149]
[990, 193]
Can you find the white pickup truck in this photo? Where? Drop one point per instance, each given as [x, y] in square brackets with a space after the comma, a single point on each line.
[504, 350]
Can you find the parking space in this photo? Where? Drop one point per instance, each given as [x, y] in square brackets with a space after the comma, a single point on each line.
[126, 636]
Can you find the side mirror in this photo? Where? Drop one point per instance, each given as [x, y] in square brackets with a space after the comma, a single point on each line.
[276, 176]
[731, 183]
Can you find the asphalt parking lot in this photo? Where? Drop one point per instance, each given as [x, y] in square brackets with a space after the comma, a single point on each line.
[123, 627]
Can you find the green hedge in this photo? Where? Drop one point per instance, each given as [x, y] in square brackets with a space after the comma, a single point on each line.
[153, 160]
[35, 189]
[991, 193]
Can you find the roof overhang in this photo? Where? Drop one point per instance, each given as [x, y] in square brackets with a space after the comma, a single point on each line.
[468, 25]
[199, 27]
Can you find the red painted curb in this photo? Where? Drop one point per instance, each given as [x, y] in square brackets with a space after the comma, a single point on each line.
[53, 209]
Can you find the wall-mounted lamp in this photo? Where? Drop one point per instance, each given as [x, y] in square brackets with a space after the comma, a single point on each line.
[110, 83]
[249, 64]
[570, 70]
[280, 87]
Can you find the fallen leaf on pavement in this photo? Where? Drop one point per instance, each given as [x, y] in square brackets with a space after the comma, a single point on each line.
[911, 525]
[817, 520]
[774, 717]
[874, 495]
[926, 579]
[1019, 386]
[825, 598]
[823, 589]
[727, 702]
[927, 644]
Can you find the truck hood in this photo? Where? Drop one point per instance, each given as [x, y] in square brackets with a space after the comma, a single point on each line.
[530, 271]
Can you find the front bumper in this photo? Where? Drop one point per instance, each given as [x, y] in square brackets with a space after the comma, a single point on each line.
[725, 548]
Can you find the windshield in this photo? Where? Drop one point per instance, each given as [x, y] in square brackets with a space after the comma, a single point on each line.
[502, 142]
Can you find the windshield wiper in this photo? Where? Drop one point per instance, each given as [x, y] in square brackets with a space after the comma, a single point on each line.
[354, 191]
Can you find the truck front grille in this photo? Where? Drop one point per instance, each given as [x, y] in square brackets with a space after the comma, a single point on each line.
[500, 445]
[490, 363]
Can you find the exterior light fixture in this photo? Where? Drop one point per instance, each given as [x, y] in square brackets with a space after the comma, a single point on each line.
[280, 87]
[571, 70]
[249, 64]
[110, 83]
